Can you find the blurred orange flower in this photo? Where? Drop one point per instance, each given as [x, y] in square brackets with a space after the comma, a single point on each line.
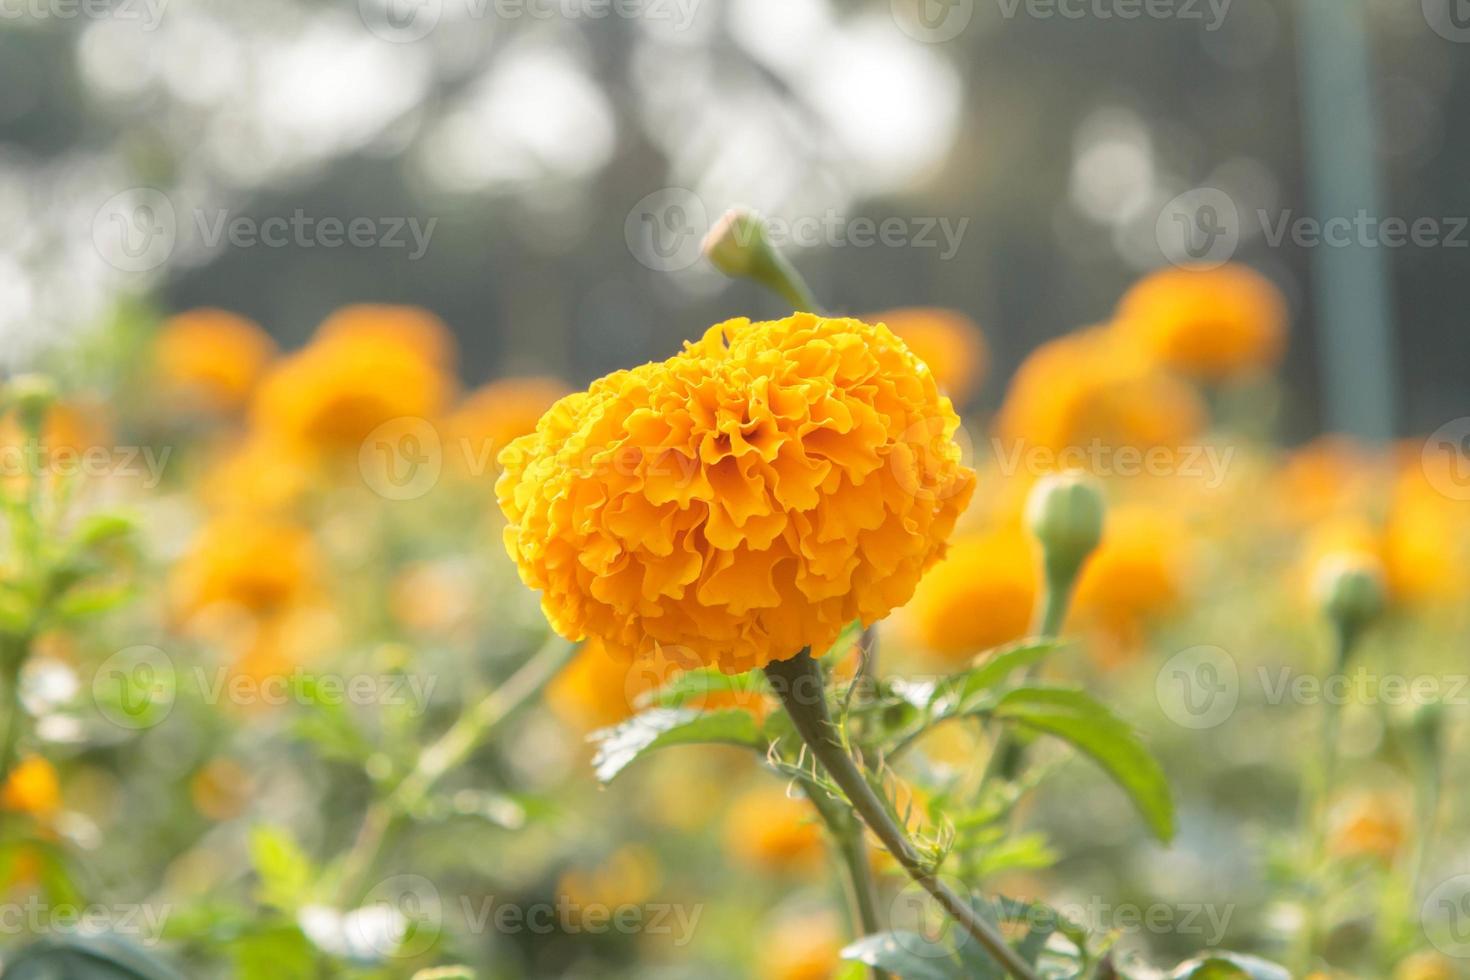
[948, 341]
[211, 358]
[32, 787]
[257, 563]
[220, 789]
[1213, 324]
[1137, 575]
[631, 875]
[769, 830]
[981, 596]
[805, 947]
[366, 366]
[1091, 388]
[493, 415]
[1371, 826]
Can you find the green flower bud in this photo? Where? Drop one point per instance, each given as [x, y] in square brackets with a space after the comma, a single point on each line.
[1350, 591]
[737, 245]
[32, 396]
[1066, 511]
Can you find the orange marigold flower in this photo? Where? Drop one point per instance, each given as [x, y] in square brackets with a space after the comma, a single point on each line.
[1370, 827]
[256, 563]
[33, 788]
[211, 358]
[808, 947]
[769, 830]
[358, 373]
[492, 416]
[981, 596]
[744, 499]
[946, 340]
[1213, 324]
[1137, 575]
[1094, 387]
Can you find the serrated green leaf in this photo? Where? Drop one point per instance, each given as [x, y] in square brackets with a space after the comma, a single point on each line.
[963, 687]
[907, 954]
[87, 958]
[694, 685]
[1076, 718]
[660, 728]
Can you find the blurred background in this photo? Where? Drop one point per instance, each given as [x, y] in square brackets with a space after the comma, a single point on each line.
[503, 162]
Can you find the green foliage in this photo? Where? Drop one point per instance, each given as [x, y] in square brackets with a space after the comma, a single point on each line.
[660, 728]
[87, 958]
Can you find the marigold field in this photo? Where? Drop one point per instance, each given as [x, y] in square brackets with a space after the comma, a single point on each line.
[734, 490]
[1132, 682]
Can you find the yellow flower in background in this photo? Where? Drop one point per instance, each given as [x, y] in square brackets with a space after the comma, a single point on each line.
[1371, 826]
[366, 366]
[948, 341]
[32, 787]
[1093, 387]
[492, 416]
[979, 597]
[256, 563]
[631, 875]
[1213, 324]
[413, 330]
[259, 472]
[768, 829]
[1330, 475]
[1425, 966]
[744, 499]
[596, 690]
[211, 358]
[221, 789]
[1137, 575]
[804, 947]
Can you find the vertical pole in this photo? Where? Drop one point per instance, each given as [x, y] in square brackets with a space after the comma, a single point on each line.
[1351, 282]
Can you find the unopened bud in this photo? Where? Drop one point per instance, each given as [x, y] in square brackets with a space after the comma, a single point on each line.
[737, 245]
[1350, 590]
[1066, 512]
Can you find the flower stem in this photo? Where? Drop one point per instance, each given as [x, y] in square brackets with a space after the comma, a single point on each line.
[799, 684]
[852, 852]
[470, 731]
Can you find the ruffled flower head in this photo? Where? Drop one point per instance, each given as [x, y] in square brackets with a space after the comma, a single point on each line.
[744, 499]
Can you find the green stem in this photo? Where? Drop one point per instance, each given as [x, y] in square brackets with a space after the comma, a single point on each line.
[470, 730]
[799, 684]
[14, 657]
[1316, 805]
[852, 853]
